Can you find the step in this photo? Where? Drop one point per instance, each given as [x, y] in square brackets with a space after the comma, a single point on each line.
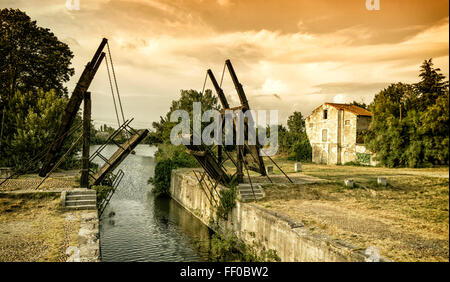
[82, 192]
[255, 189]
[247, 185]
[84, 207]
[250, 191]
[81, 197]
[251, 195]
[80, 203]
[249, 199]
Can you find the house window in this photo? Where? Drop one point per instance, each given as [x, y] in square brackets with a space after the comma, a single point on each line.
[324, 135]
[347, 122]
[325, 114]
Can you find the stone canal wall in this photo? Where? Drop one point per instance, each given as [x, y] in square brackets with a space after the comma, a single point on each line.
[259, 227]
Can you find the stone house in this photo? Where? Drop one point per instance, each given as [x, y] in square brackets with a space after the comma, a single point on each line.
[336, 131]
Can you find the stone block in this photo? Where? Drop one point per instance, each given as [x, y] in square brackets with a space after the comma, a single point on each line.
[382, 181]
[349, 182]
[298, 167]
[5, 172]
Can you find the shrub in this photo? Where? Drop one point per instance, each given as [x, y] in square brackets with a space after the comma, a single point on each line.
[227, 201]
[102, 192]
[161, 181]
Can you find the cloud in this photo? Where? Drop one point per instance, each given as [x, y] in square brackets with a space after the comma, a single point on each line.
[289, 55]
[350, 88]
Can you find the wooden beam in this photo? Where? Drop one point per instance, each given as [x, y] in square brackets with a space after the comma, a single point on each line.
[72, 109]
[84, 181]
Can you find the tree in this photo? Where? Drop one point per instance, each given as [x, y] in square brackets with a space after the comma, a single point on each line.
[294, 141]
[410, 123]
[169, 156]
[187, 98]
[359, 104]
[31, 58]
[296, 123]
[432, 84]
[35, 114]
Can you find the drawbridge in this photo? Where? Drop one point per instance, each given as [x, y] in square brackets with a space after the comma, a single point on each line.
[245, 156]
[53, 155]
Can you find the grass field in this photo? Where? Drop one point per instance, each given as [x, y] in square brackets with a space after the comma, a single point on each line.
[408, 220]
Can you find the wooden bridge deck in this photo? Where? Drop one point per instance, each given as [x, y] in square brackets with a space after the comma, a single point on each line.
[121, 153]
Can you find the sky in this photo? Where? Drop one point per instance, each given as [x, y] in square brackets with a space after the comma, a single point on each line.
[289, 55]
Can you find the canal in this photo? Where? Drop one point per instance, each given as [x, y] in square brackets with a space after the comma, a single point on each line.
[136, 226]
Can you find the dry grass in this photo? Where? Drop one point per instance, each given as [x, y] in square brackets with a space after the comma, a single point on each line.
[408, 220]
[34, 228]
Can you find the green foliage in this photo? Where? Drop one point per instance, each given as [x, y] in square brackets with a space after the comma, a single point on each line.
[32, 58]
[185, 102]
[359, 104]
[35, 117]
[161, 181]
[363, 158]
[34, 64]
[228, 248]
[100, 136]
[177, 154]
[227, 201]
[301, 150]
[410, 123]
[102, 192]
[169, 156]
[294, 140]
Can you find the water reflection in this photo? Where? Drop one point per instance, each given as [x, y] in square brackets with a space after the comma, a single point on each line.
[136, 226]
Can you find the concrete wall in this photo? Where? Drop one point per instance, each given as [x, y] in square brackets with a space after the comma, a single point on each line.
[342, 127]
[260, 227]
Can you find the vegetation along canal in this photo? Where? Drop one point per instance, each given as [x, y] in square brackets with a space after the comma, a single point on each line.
[137, 226]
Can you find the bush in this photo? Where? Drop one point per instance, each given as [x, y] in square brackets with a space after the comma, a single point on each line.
[161, 181]
[169, 157]
[301, 150]
[102, 192]
[227, 201]
[227, 247]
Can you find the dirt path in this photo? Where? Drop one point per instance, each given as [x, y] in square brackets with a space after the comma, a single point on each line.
[57, 181]
[407, 220]
[36, 229]
[363, 228]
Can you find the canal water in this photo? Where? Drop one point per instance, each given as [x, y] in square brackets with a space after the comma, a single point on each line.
[136, 226]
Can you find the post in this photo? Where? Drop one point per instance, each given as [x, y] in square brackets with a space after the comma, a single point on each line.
[84, 182]
[240, 163]
[219, 91]
[237, 85]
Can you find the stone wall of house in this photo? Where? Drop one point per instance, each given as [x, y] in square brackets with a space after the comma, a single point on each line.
[340, 126]
[341, 129]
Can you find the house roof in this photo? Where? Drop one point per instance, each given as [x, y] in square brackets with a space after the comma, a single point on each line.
[351, 108]
[347, 107]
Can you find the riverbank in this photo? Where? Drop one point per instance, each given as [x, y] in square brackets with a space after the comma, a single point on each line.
[261, 229]
[34, 226]
[407, 220]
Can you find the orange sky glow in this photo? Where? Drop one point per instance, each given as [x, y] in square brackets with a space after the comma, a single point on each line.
[289, 55]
